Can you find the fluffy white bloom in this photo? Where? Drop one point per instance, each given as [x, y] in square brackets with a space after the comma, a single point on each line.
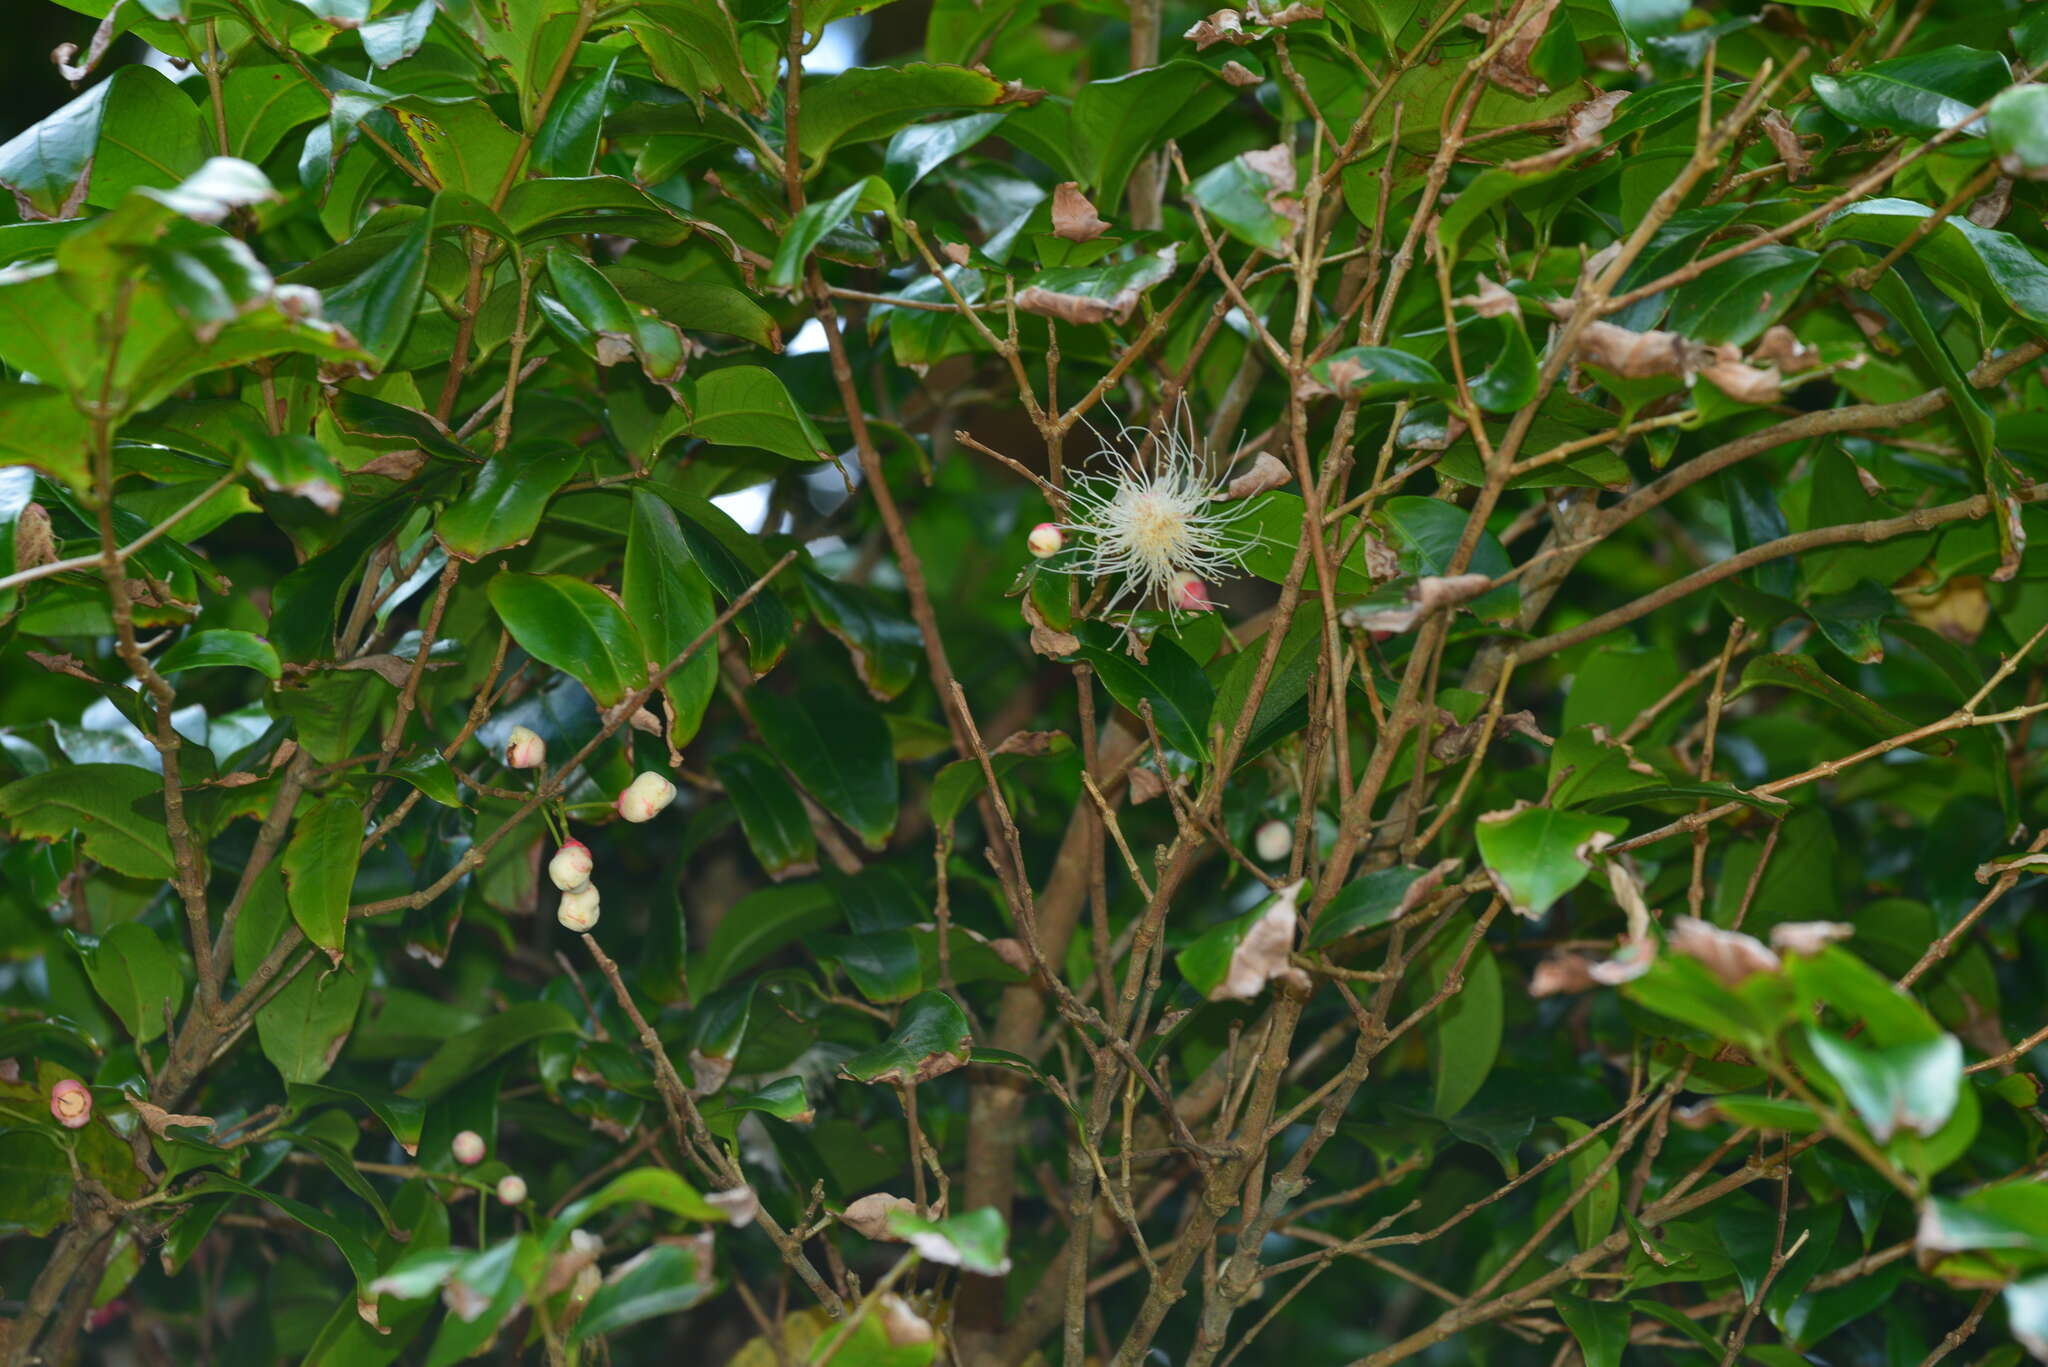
[570, 868]
[468, 1148]
[645, 796]
[578, 911]
[524, 749]
[1274, 841]
[1149, 524]
[512, 1189]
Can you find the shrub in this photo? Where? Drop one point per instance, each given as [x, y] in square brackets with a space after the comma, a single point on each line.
[1335, 683]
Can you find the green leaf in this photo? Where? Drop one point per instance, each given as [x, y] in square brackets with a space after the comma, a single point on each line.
[1601, 1327]
[664, 1279]
[346, 1241]
[320, 869]
[838, 748]
[566, 142]
[732, 561]
[1736, 300]
[1925, 92]
[699, 305]
[470, 1052]
[503, 505]
[931, 1038]
[117, 809]
[960, 782]
[783, 1098]
[669, 600]
[814, 221]
[1179, 693]
[770, 811]
[577, 628]
[1803, 674]
[746, 405]
[881, 639]
[1373, 900]
[883, 965]
[758, 925]
[1509, 380]
[1538, 854]
[873, 102]
[41, 428]
[1115, 122]
[1235, 960]
[657, 1187]
[47, 164]
[1252, 196]
[1095, 294]
[2018, 124]
[303, 1027]
[1593, 1217]
[135, 975]
[376, 306]
[921, 148]
[974, 1241]
[1465, 1032]
[568, 206]
[221, 648]
[1905, 1086]
[1971, 264]
[150, 134]
[35, 1183]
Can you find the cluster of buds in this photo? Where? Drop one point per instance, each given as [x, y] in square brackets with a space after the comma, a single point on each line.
[570, 870]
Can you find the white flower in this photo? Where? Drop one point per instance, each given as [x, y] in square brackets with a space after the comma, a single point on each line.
[512, 1189]
[645, 796]
[578, 911]
[468, 1148]
[524, 749]
[1274, 841]
[1149, 526]
[570, 868]
[1045, 539]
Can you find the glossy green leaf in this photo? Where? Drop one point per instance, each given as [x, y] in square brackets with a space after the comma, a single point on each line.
[320, 869]
[1905, 1086]
[974, 1241]
[1168, 682]
[1925, 92]
[503, 506]
[576, 628]
[879, 636]
[745, 405]
[664, 1279]
[931, 1038]
[135, 975]
[221, 648]
[303, 1027]
[1538, 854]
[838, 748]
[117, 810]
[873, 102]
[1373, 900]
[472, 1051]
[770, 810]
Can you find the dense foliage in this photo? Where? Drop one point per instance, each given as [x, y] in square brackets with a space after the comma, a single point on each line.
[1337, 683]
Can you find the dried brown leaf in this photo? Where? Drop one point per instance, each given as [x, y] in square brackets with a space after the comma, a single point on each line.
[1264, 954]
[1785, 141]
[1490, 301]
[869, 1216]
[1637, 355]
[1267, 472]
[1238, 74]
[1028, 743]
[1223, 26]
[1729, 954]
[1073, 215]
[1783, 351]
[1509, 68]
[1806, 938]
[160, 1120]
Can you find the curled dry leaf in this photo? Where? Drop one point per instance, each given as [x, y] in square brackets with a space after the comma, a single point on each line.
[869, 1216]
[1426, 595]
[1628, 963]
[1806, 938]
[1029, 743]
[159, 1120]
[901, 1325]
[1267, 472]
[1583, 125]
[955, 252]
[740, 1205]
[1628, 891]
[1989, 209]
[1455, 742]
[1073, 215]
[1265, 952]
[1638, 355]
[1146, 783]
[1785, 141]
[1562, 974]
[1781, 350]
[1739, 381]
[398, 465]
[1012, 952]
[1078, 308]
[34, 543]
[1238, 74]
[1047, 640]
[1729, 954]
[1275, 165]
[1491, 301]
[708, 1073]
[644, 720]
[1281, 18]
[580, 1256]
[1998, 868]
[1224, 26]
[1509, 68]
[1382, 561]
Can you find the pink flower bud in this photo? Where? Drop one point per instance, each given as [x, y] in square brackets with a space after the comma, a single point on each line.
[512, 1189]
[524, 749]
[570, 868]
[1045, 539]
[469, 1148]
[71, 1103]
[578, 911]
[645, 796]
[1274, 841]
[1189, 594]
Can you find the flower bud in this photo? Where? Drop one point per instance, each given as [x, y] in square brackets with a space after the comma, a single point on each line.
[512, 1189]
[1189, 594]
[645, 796]
[1045, 539]
[469, 1148]
[578, 911]
[570, 868]
[524, 749]
[1274, 841]
[71, 1103]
